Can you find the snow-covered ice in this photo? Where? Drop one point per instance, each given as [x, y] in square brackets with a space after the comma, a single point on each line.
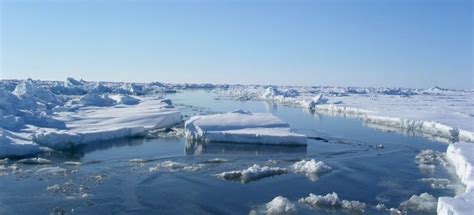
[461, 155]
[15, 145]
[253, 173]
[435, 111]
[242, 127]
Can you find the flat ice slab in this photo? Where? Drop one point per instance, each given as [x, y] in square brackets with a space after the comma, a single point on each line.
[242, 127]
[93, 124]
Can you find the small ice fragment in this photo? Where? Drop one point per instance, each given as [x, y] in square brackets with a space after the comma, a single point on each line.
[311, 168]
[99, 178]
[175, 166]
[137, 160]
[331, 200]
[437, 183]
[86, 195]
[54, 188]
[280, 205]
[35, 161]
[252, 173]
[422, 203]
[72, 163]
[51, 170]
[381, 207]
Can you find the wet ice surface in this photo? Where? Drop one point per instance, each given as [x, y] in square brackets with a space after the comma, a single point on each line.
[171, 175]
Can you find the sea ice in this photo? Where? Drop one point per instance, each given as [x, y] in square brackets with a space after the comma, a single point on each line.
[423, 203]
[34, 161]
[252, 173]
[331, 200]
[311, 168]
[461, 155]
[242, 127]
[94, 124]
[280, 205]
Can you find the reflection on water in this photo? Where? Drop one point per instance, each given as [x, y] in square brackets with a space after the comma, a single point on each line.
[81, 150]
[198, 148]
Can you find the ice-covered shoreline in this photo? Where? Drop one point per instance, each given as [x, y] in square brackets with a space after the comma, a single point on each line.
[438, 112]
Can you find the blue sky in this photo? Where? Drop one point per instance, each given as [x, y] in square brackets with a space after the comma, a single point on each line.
[406, 43]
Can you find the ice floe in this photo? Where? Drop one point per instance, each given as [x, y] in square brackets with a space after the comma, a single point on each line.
[93, 124]
[242, 127]
[421, 203]
[253, 173]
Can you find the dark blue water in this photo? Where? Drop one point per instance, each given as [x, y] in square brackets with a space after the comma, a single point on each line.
[360, 171]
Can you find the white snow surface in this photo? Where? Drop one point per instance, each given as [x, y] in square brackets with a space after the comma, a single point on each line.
[92, 124]
[435, 111]
[461, 155]
[242, 127]
[62, 115]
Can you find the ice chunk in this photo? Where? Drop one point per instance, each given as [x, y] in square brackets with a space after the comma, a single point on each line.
[311, 167]
[54, 188]
[461, 155]
[30, 90]
[15, 145]
[175, 166]
[125, 99]
[331, 200]
[93, 99]
[242, 127]
[34, 161]
[437, 183]
[428, 159]
[280, 205]
[252, 173]
[72, 163]
[72, 82]
[95, 124]
[423, 203]
[51, 170]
